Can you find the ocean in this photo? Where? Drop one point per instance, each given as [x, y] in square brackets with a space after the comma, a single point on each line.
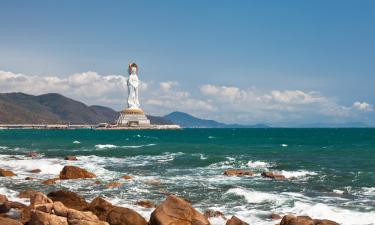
[331, 172]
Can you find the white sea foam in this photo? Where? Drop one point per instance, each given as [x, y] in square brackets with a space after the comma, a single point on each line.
[284, 145]
[338, 191]
[340, 215]
[211, 137]
[258, 164]
[3, 147]
[104, 146]
[24, 165]
[76, 142]
[253, 196]
[370, 191]
[203, 157]
[137, 146]
[297, 174]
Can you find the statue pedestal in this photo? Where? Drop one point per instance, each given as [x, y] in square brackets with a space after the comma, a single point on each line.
[132, 118]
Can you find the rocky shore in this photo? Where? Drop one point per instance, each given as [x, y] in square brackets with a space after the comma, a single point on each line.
[64, 207]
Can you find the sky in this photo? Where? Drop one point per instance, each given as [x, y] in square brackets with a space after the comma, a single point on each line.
[285, 63]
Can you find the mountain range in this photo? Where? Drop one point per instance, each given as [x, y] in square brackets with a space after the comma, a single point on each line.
[21, 108]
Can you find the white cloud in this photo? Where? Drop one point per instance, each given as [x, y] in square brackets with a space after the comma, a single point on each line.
[168, 85]
[363, 106]
[224, 103]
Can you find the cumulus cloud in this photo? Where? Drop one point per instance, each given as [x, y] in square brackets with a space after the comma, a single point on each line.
[363, 106]
[224, 103]
[274, 106]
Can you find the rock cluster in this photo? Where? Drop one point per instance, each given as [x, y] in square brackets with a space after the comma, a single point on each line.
[238, 172]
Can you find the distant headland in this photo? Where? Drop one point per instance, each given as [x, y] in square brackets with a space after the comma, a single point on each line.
[52, 108]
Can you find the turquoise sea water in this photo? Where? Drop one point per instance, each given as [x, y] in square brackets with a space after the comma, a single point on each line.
[331, 172]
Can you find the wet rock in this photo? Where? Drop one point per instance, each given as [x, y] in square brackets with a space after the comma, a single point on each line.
[238, 172]
[35, 171]
[3, 198]
[235, 221]
[325, 222]
[175, 210]
[114, 184]
[50, 181]
[124, 216]
[115, 215]
[71, 158]
[212, 213]
[275, 216]
[273, 175]
[100, 208]
[8, 221]
[69, 199]
[6, 173]
[39, 198]
[98, 182]
[29, 178]
[146, 204]
[74, 172]
[126, 177]
[42, 218]
[27, 193]
[304, 220]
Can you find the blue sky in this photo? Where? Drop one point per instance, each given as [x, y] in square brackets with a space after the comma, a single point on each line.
[283, 62]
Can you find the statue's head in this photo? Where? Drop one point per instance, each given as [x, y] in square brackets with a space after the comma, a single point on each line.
[133, 68]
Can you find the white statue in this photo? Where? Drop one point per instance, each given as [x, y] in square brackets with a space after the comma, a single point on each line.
[133, 84]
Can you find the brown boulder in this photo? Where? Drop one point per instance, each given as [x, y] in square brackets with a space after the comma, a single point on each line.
[126, 177]
[42, 218]
[3, 198]
[29, 178]
[114, 184]
[325, 222]
[273, 175]
[35, 171]
[6, 173]
[27, 193]
[124, 216]
[235, 221]
[74, 172]
[69, 199]
[71, 158]
[100, 207]
[39, 198]
[237, 172]
[175, 210]
[115, 215]
[7, 221]
[50, 181]
[146, 203]
[304, 220]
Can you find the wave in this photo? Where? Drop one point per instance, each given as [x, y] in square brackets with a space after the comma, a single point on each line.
[3, 147]
[104, 146]
[253, 196]
[258, 164]
[76, 142]
[109, 146]
[297, 174]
